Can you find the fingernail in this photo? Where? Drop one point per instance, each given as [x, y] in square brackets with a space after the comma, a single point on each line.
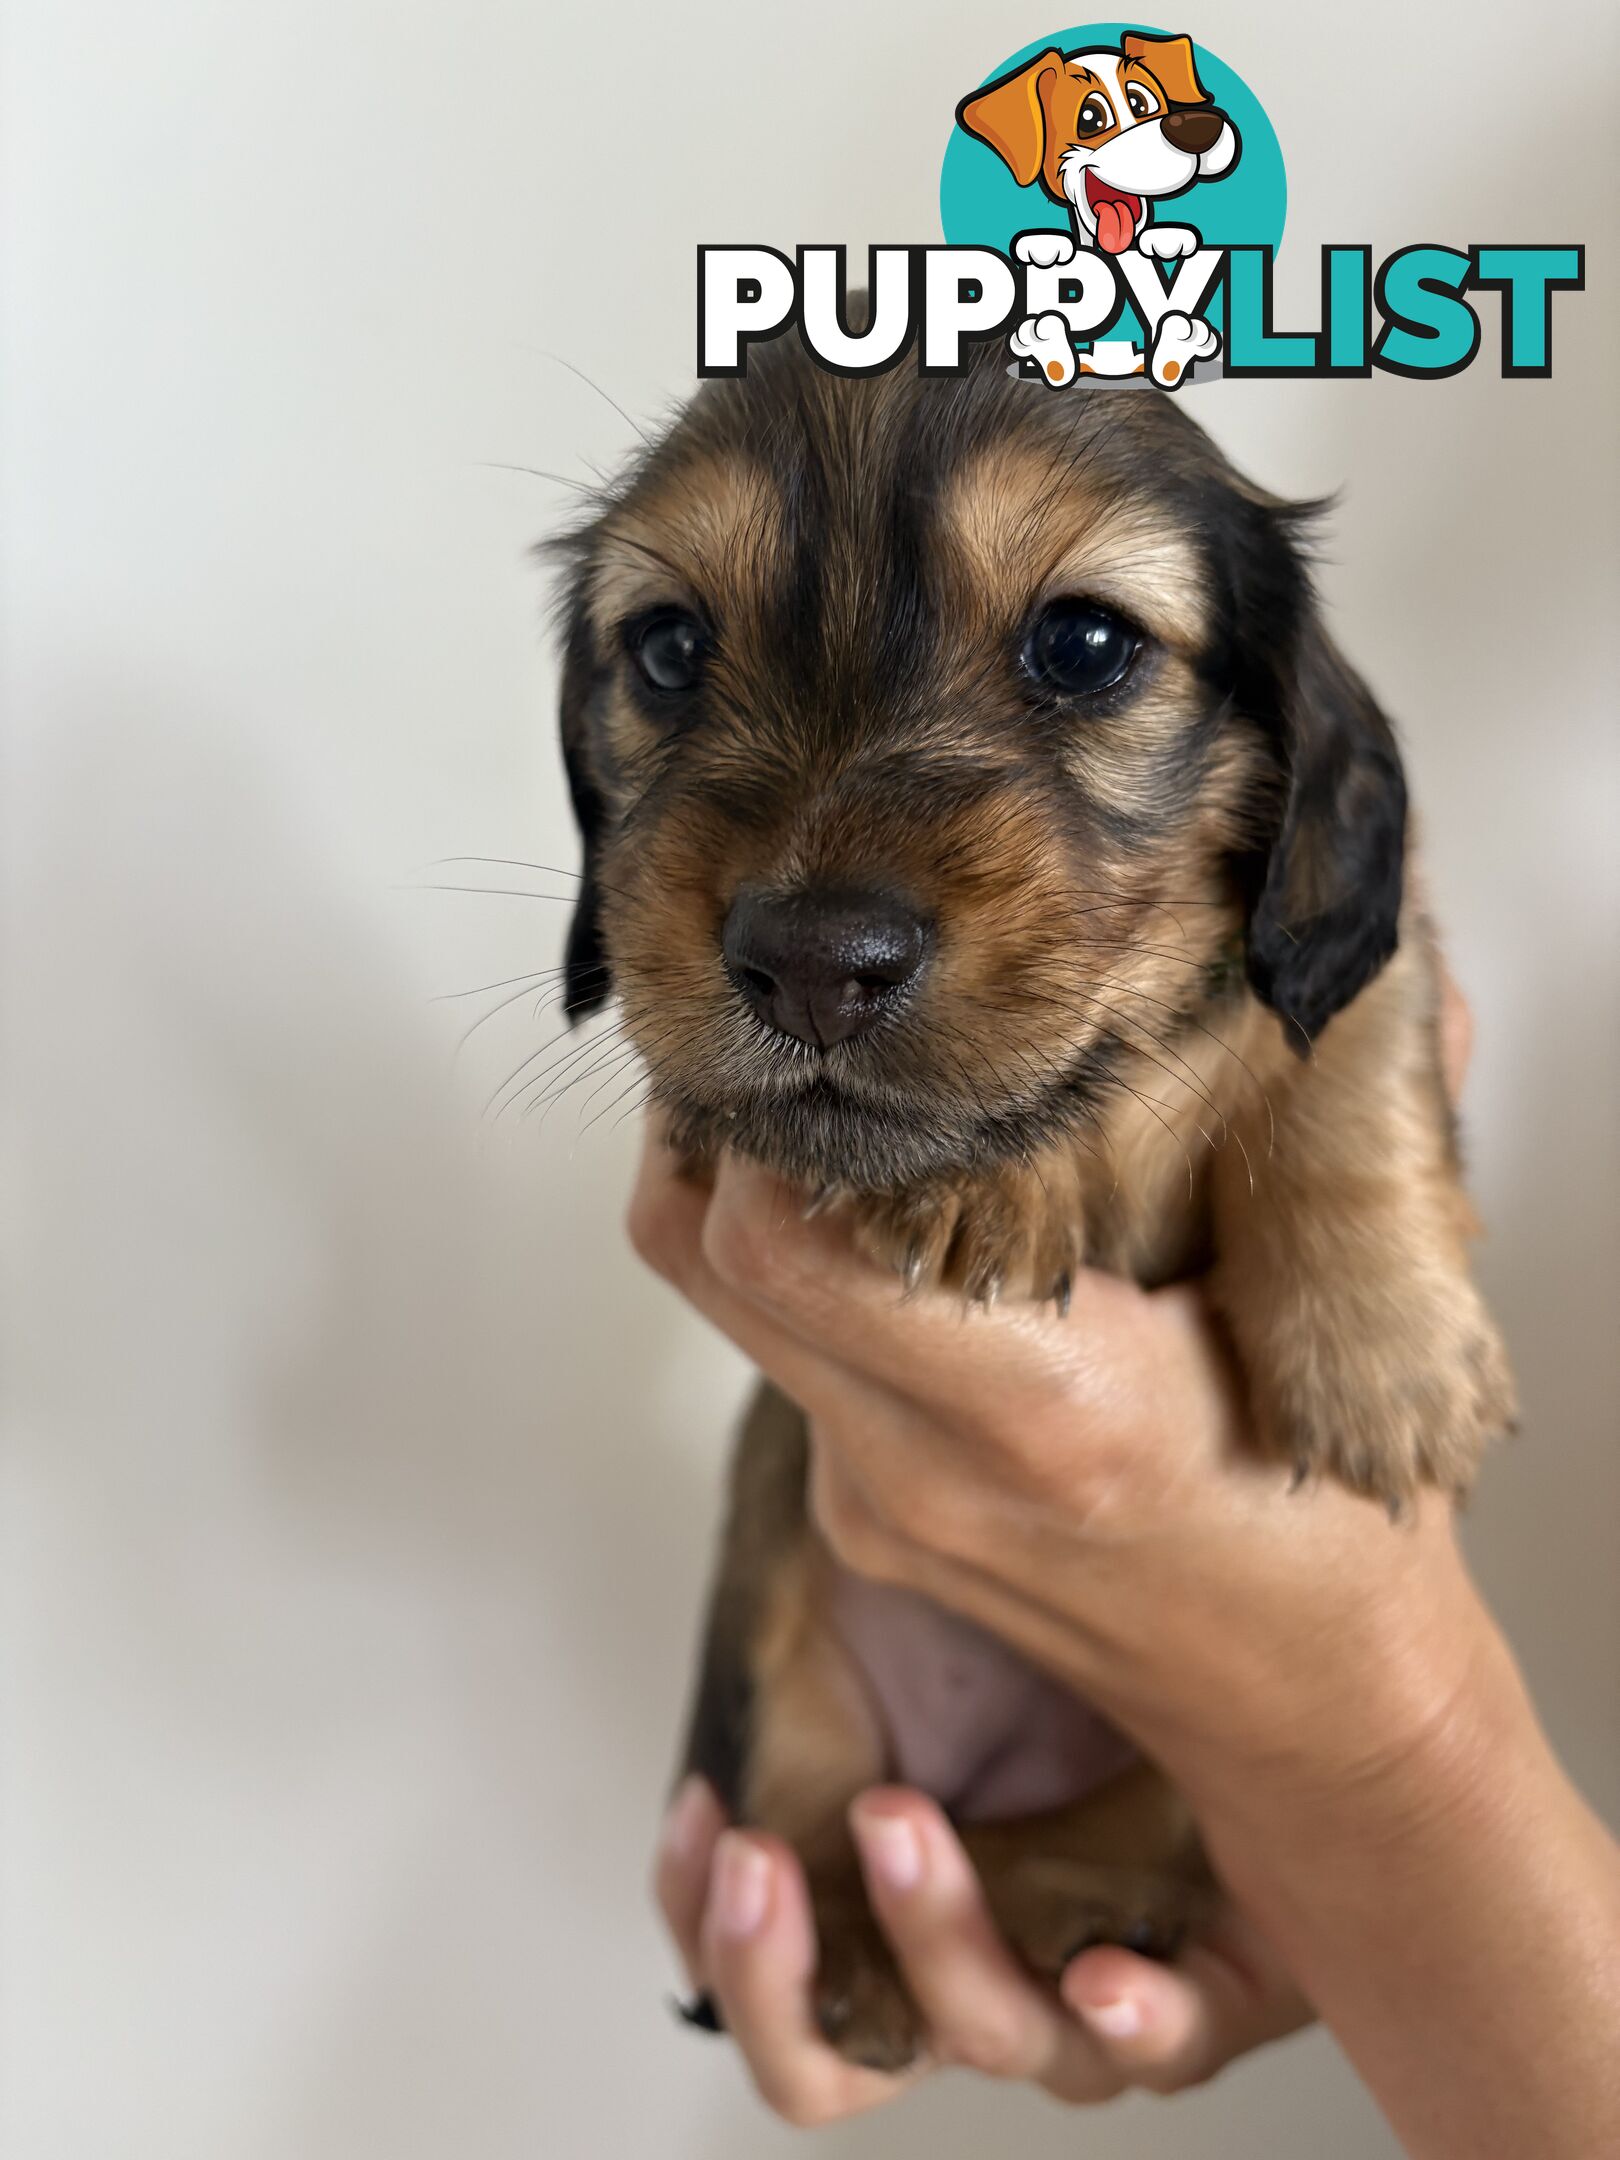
[685, 1817]
[1117, 2020]
[742, 1879]
[892, 1849]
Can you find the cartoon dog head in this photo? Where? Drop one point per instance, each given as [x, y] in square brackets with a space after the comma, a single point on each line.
[1107, 133]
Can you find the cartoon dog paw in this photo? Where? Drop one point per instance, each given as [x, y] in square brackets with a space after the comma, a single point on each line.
[1169, 242]
[1044, 250]
[1045, 340]
[1179, 343]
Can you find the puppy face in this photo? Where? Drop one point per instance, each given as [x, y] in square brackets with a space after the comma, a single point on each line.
[937, 746]
[1107, 132]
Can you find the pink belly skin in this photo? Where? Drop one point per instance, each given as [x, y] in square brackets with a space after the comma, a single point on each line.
[970, 1721]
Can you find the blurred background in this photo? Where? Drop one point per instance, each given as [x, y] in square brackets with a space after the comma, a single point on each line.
[358, 1485]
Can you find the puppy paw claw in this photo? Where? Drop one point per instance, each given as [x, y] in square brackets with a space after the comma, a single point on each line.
[699, 2012]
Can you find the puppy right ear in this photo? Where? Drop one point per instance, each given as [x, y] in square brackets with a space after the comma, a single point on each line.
[587, 977]
[1010, 116]
[1325, 889]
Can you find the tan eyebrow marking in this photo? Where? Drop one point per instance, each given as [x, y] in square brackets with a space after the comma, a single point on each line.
[1141, 564]
[708, 531]
[1021, 531]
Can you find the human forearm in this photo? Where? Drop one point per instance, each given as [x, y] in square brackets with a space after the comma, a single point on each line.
[1455, 1917]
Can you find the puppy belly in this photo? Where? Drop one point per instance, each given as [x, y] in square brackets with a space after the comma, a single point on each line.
[968, 1720]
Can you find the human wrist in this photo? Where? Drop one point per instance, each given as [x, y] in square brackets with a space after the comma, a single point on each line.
[1365, 1699]
[1439, 1734]
[1453, 1914]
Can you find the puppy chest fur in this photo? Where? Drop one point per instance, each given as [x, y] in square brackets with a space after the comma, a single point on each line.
[982, 829]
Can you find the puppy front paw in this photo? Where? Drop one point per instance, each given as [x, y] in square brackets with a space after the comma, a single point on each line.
[1388, 1408]
[1011, 1234]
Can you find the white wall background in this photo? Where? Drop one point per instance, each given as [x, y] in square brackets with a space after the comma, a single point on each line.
[359, 1486]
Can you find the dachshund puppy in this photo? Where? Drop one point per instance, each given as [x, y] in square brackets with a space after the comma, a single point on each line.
[981, 828]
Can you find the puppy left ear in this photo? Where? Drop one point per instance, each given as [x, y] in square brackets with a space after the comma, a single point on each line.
[1170, 59]
[587, 977]
[1327, 914]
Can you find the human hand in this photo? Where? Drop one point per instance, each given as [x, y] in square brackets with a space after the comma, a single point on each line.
[1085, 1488]
[1080, 1486]
[1325, 1686]
[736, 1903]
[1226, 1994]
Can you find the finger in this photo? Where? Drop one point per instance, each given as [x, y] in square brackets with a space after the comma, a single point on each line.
[1169, 2026]
[681, 1869]
[667, 1218]
[982, 2008]
[836, 1334]
[666, 1226]
[759, 1951]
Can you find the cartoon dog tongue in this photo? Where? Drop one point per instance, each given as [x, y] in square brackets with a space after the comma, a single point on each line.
[1115, 225]
[1116, 214]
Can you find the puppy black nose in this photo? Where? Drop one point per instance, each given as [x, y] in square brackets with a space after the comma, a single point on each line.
[1195, 132]
[822, 965]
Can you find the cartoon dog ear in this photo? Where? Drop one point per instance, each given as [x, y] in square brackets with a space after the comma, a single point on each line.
[1170, 60]
[1327, 914]
[587, 977]
[1010, 116]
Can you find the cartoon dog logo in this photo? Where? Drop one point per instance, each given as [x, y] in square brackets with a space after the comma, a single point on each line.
[1108, 133]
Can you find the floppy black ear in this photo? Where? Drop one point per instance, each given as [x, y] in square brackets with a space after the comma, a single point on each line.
[587, 978]
[1326, 913]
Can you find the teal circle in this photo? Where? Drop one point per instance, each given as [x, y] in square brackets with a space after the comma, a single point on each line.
[982, 205]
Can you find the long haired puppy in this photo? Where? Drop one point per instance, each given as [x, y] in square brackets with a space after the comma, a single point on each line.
[982, 828]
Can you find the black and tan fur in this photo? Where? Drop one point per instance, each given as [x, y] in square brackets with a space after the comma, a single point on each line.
[1181, 1013]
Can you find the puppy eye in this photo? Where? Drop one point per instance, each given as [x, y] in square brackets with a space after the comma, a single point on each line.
[668, 648]
[1076, 648]
[1140, 101]
[1095, 114]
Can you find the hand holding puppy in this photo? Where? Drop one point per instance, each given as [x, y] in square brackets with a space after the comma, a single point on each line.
[1325, 1687]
